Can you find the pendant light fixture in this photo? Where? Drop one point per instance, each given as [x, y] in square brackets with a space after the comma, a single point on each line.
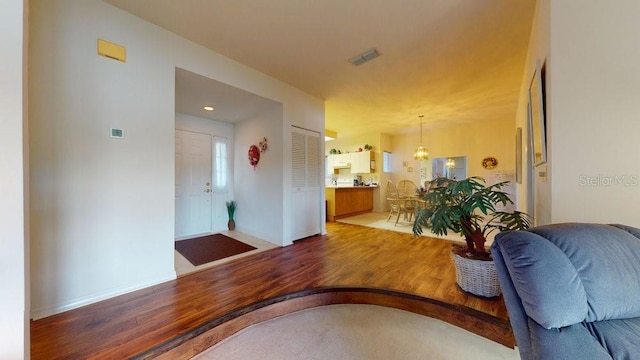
[421, 152]
[450, 163]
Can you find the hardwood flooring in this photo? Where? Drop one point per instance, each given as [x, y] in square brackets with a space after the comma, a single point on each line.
[352, 264]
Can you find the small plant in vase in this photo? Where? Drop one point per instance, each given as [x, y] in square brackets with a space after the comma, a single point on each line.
[468, 207]
[231, 210]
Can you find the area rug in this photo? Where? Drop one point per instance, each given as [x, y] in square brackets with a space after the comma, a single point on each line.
[356, 331]
[210, 248]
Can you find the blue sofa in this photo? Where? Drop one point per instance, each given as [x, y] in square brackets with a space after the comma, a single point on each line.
[572, 290]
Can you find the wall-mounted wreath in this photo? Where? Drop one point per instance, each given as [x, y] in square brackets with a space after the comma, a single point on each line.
[255, 150]
[489, 163]
[254, 156]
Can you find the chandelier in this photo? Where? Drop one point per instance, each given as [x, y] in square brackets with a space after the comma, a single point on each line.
[450, 163]
[421, 152]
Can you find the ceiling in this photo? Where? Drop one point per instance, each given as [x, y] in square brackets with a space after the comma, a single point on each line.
[453, 61]
[230, 104]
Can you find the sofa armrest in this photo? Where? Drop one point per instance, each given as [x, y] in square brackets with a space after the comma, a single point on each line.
[517, 316]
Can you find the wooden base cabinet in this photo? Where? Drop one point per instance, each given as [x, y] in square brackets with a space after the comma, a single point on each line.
[348, 201]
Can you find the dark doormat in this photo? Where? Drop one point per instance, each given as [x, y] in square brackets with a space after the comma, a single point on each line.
[210, 248]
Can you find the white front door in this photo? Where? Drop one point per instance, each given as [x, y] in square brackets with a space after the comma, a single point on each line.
[193, 183]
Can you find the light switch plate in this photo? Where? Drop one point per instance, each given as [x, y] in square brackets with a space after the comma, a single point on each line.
[542, 173]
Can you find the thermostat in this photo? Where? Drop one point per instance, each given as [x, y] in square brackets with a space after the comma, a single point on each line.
[116, 133]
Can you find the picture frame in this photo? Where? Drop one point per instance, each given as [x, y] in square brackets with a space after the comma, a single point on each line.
[519, 155]
[537, 117]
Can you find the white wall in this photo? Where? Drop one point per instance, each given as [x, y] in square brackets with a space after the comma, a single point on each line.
[205, 126]
[103, 209]
[259, 191]
[592, 87]
[595, 84]
[538, 51]
[14, 324]
[102, 221]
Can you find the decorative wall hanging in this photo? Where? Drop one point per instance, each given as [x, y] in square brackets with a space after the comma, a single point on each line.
[519, 155]
[263, 145]
[489, 163]
[254, 156]
[537, 126]
[255, 150]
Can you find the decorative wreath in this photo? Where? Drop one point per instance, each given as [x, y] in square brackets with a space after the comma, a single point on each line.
[254, 156]
[489, 163]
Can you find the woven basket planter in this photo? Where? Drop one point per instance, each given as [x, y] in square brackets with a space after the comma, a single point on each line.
[478, 277]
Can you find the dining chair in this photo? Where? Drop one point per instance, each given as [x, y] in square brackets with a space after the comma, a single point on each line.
[399, 205]
[407, 188]
[391, 195]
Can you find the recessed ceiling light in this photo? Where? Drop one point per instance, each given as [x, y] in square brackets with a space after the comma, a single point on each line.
[209, 108]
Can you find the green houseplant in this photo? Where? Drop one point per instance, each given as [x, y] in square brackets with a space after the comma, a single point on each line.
[231, 210]
[468, 207]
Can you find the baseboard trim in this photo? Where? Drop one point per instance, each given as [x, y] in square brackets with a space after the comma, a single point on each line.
[47, 311]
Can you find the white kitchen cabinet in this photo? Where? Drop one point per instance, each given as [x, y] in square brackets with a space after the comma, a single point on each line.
[361, 162]
[336, 162]
[342, 160]
[357, 162]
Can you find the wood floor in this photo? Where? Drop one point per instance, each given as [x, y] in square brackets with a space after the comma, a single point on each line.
[352, 264]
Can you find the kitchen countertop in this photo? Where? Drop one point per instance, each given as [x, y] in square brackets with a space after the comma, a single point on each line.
[350, 186]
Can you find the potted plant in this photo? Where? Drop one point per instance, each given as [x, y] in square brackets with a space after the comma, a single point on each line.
[468, 207]
[231, 210]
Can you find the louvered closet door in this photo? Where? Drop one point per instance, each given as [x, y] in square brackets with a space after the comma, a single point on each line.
[306, 180]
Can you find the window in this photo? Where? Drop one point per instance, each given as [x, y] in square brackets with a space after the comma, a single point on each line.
[220, 164]
[386, 162]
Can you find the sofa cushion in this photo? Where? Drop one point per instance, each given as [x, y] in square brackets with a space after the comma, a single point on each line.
[573, 342]
[620, 337]
[569, 273]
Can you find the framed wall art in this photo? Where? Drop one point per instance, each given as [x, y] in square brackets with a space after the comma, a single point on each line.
[537, 117]
[519, 155]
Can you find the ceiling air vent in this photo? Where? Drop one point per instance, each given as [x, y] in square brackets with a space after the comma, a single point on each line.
[364, 57]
